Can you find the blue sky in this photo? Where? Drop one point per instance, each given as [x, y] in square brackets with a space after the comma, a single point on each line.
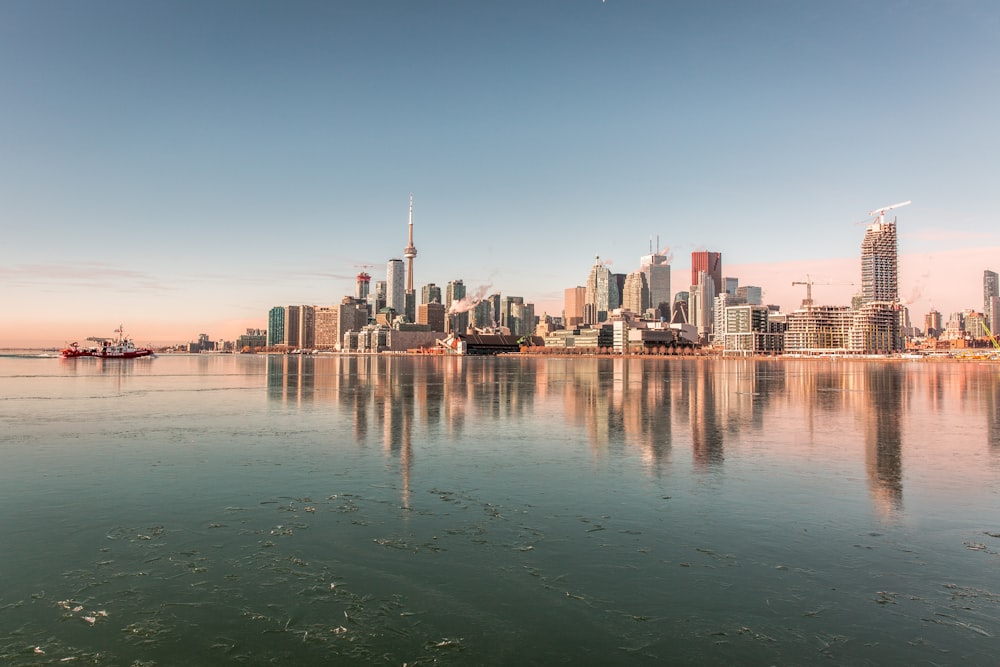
[184, 166]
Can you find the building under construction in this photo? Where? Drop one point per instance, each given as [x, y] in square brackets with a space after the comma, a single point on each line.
[819, 330]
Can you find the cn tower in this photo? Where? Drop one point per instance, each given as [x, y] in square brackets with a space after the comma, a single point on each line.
[410, 252]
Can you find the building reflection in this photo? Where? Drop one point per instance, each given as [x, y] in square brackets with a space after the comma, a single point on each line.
[883, 409]
[813, 411]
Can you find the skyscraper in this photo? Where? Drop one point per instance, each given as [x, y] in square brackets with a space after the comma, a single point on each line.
[657, 270]
[710, 263]
[395, 284]
[602, 293]
[875, 326]
[573, 302]
[293, 315]
[457, 316]
[879, 280]
[430, 293]
[635, 295]
[276, 326]
[361, 289]
[991, 288]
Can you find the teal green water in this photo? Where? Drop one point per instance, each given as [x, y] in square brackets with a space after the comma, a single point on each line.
[206, 510]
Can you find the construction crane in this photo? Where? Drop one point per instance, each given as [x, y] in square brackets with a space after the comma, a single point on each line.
[809, 282]
[879, 213]
[991, 336]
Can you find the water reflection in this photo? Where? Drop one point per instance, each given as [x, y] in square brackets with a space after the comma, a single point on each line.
[883, 407]
[849, 413]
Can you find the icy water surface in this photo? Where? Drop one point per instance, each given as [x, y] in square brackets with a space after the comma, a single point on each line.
[207, 510]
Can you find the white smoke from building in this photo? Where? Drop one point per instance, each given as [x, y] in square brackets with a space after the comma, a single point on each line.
[468, 302]
[667, 254]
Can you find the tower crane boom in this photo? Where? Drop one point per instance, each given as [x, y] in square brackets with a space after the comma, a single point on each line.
[879, 213]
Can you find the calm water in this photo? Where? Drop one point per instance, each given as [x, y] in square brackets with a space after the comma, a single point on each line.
[206, 510]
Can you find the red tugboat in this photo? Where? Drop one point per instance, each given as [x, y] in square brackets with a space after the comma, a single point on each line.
[108, 348]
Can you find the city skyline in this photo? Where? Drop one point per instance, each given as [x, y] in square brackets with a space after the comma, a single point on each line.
[182, 170]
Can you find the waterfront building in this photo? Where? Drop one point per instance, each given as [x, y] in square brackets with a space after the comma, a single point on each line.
[276, 326]
[747, 330]
[252, 340]
[875, 329]
[395, 279]
[307, 327]
[656, 268]
[876, 325]
[573, 300]
[352, 315]
[710, 263]
[879, 272]
[602, 294]
[293, 323]
[431, 314]
[326, 328]
[819, 330]
[719, 306]
[635, 295]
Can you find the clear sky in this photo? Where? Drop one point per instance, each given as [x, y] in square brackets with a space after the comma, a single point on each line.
[182, 167]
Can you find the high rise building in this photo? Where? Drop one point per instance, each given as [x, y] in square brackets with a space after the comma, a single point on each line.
[307, 327]
[376, 298]
[326, 328]
[293, 321]
[573, 302]
[656, 267]
[932, 323]
[635, 295]
[481, 315]
[276, 326]
[879, 279]
[875, 329]
[991, 288]
[456, 316]
[430, 293]
[602, 294]
[506, 311]
[395, 282]
[361, 288]
[710, 263]
[431, 313]
[751, 295]
[522, 319]
[494, 300]
[701, 304]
